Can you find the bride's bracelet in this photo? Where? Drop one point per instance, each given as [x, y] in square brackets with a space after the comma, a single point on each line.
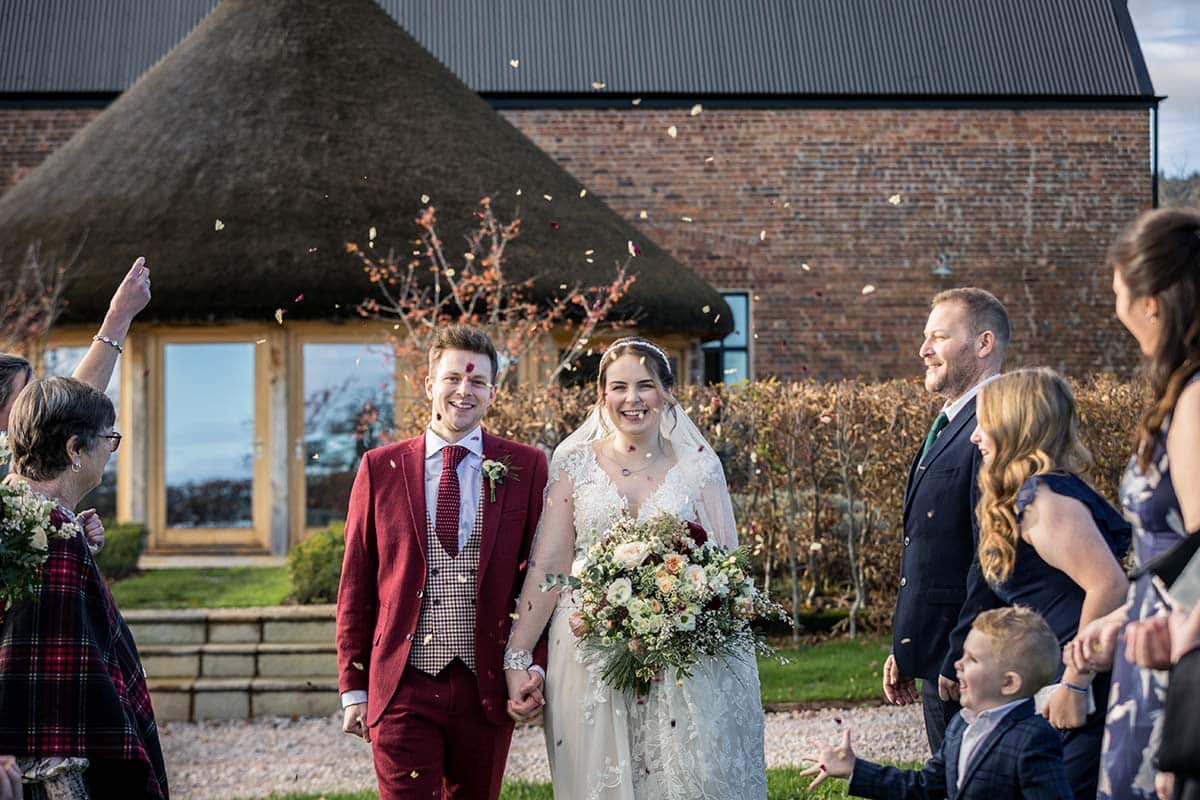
[517, 659]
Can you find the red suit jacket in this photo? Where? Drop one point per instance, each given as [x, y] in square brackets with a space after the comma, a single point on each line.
[383, 573]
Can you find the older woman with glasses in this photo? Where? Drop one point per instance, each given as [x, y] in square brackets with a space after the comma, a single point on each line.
[74, 708]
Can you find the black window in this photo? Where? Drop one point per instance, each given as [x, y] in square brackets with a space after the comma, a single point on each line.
[728, 360]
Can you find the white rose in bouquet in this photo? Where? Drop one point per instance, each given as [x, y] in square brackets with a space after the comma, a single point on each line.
[630, 555]
[619, 592]
[695, 577]
[39, 541]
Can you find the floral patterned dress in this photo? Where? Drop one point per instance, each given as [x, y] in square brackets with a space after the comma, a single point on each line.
[1135, 706]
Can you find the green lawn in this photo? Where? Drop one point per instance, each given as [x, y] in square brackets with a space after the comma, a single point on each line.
[783, 783]
[203, 588]
[838, 669]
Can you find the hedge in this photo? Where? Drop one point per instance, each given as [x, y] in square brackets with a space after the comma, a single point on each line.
[816, 471]
[123, 546]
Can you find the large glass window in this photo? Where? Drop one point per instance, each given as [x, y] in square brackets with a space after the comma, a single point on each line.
[349, 397]
[63, 361]
[209, 434]
[728, 359]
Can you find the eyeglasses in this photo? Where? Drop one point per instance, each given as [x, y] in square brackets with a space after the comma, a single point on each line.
[114, 440]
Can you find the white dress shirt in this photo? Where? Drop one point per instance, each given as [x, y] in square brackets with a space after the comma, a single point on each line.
[978, 728]
[951, 409]
[470, 479]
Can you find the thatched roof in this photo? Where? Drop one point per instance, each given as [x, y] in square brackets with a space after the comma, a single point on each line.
[299, 126]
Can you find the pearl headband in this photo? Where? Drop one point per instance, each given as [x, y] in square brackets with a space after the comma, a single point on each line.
[649, 346]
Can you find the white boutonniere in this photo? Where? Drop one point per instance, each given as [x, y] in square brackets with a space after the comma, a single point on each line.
[496, 471]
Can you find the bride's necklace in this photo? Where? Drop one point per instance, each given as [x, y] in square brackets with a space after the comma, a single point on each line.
[626, 471]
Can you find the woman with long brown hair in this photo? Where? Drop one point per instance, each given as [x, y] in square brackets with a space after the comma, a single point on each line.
[1156, 281]
[1049, 541]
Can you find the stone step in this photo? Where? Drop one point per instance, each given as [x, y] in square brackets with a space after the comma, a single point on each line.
[258, 660]
[192, 700]
[271, 625]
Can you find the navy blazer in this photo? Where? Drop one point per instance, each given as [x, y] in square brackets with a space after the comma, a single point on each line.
[941, 585]
[1021, 757]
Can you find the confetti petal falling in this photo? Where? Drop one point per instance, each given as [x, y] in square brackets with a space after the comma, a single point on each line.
[672, 131]
[218, 225]
[896, 199]
[869, 289]
[696, 110]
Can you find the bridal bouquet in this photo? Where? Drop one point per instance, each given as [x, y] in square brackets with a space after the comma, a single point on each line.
[657, 595]
[27, 521]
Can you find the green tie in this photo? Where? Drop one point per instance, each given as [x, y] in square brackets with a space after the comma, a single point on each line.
[938, 424]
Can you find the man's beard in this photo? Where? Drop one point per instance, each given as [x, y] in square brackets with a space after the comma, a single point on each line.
[959, 376]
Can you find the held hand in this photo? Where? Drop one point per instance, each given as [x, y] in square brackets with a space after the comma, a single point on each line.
[10, 779]
[354, 721]
[898, 689]
[132, 295]
[1093, 649]
[947, 689]
[1066, 708]
[1164, 785]
[1148, 643]
[1185, 632]
[525, 699]
[831, 762]
[93, 529]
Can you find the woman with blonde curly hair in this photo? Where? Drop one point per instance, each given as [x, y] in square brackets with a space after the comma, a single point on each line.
[1048, 541]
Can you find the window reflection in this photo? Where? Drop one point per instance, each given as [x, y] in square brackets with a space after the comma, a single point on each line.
[63, 361]
[728, 360]
[349, 392]
[209, 434]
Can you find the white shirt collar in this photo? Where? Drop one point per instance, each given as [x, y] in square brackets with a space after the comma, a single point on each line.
[952, 409]
[970, 717]
[473, 441]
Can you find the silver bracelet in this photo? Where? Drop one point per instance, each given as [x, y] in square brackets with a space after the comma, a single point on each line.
[517, 659]
[112, 342]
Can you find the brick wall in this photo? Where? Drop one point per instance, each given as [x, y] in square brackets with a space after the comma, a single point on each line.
[28, 135]
[1021, 202]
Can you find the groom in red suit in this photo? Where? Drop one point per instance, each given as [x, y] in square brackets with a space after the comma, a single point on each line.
[437, 536]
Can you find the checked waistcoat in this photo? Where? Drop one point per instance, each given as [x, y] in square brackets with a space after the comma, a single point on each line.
[446, 627]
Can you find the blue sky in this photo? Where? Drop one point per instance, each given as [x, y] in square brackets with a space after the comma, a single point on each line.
[1169, 31]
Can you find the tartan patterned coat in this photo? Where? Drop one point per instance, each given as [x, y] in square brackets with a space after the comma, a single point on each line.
[71, 680]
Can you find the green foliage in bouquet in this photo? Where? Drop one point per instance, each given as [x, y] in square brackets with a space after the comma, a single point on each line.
[652, 599]
[315, 566]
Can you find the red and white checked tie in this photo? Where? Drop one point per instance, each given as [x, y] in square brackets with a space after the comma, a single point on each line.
[446, 521]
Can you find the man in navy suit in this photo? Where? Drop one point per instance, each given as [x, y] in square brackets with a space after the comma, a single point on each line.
[941, 585]
[997, 747]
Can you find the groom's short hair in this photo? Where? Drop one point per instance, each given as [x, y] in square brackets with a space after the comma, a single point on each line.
[463, 337]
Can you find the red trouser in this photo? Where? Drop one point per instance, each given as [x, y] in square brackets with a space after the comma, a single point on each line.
[433, 741]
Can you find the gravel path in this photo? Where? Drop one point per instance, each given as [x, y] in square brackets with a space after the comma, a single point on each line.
[211, 760]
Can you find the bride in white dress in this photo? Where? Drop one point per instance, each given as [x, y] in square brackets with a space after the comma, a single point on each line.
[696, 738]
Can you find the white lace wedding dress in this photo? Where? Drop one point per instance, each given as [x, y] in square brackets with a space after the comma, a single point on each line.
[699, 738]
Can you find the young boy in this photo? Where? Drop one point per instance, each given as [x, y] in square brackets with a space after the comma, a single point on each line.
[996, 747]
